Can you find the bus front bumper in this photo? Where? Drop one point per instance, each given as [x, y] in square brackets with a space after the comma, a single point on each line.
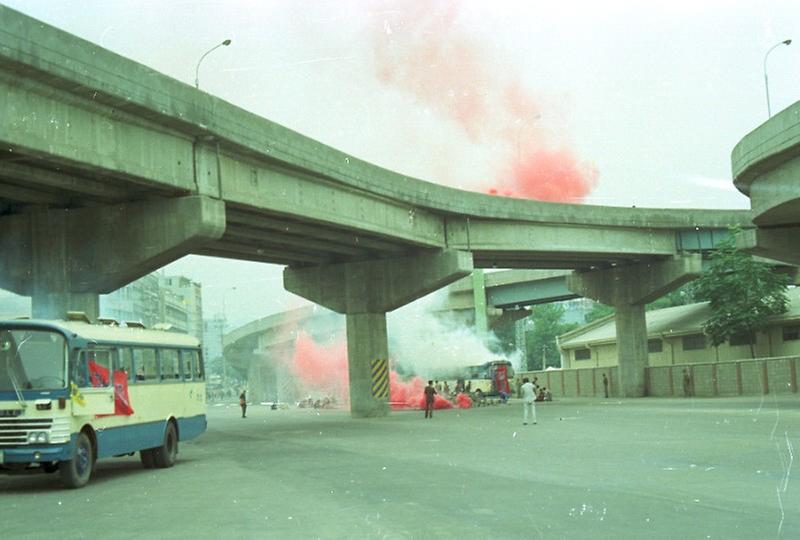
[41, 453]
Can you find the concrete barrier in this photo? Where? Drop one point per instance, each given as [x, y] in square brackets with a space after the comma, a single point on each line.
[734, 378]
[708, 379]
[586, 382]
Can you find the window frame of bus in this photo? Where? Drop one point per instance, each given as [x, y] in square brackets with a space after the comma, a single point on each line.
[195, 358]
[188, 373]
[162, 359]
[196, 362]
[123, 350]
[82, 361]
[136, 357]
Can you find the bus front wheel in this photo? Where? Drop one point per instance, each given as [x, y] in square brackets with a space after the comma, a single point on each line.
[164, 456]
[75, 473]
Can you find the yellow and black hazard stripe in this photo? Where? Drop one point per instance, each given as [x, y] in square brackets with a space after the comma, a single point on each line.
[380, 379]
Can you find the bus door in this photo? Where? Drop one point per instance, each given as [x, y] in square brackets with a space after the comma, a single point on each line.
[92, 390]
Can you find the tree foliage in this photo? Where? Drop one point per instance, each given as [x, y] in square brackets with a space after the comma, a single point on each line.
[679, 297]
[741, 292]
[506, 342]
[599, 311]
[541, 344]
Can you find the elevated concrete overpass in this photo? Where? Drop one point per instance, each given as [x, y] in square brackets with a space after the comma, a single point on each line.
[109, 170]
[766, 168]
[260, 342]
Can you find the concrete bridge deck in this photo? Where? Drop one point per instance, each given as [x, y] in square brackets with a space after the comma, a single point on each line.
[84, 126]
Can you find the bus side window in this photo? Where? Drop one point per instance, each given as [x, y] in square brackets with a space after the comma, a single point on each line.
[99, 367]
[145, 363]
[198, 362]
[126, 362]
[169, 364]
[186, 365]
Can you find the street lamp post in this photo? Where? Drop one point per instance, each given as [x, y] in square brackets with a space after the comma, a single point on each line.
[766, 80]
[197, 69]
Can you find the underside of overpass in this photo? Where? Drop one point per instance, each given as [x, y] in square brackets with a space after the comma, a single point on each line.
[110, 170]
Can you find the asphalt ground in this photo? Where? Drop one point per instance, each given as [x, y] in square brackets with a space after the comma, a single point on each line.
[644, 468]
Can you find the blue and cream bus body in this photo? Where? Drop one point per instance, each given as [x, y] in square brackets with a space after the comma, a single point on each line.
[72, 392]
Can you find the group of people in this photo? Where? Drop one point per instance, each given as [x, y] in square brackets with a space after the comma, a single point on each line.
[443, 388]
[327, 402]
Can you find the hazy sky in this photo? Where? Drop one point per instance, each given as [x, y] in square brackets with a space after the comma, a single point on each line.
[650, 96]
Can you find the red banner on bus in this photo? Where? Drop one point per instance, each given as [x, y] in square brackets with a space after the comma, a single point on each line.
[98, 375]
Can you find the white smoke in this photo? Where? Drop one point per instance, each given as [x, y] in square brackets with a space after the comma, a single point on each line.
[437, 345]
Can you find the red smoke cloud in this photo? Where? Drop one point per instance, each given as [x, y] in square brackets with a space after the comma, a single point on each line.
[463, 401]
[322, 369]
[420, 48]
[410, 394]
[546, 175]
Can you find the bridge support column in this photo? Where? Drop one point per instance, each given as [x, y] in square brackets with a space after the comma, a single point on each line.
[628, 289]
[367, 340]
[479, 298]
[365, 291]
[65, 258]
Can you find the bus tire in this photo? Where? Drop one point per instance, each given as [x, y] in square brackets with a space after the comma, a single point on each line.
[147, 458]
[75, 473]
[164, 456]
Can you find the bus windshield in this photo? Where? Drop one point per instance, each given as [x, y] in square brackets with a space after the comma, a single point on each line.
[32, 360]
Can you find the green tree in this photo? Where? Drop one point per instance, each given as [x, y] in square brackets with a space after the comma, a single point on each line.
[541, 341]
[679, 297]
[741, 292]
[599, 311]
[506, 341]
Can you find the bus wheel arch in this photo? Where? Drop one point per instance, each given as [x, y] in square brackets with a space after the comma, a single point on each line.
[76, 472]
[174, 422]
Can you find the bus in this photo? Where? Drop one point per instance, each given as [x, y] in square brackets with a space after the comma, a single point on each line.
[72, 392]
[491, 378]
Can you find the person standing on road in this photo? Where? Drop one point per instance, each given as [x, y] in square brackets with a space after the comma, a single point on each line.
[605, 384]
[243, 403]
[687, 383]
[528, 392]
[430, 391]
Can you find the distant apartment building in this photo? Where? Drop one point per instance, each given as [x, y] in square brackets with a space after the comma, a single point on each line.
[183, 303]
[138, 301]
[158, 299]
[213, 332]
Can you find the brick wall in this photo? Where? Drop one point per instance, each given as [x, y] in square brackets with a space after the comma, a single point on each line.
[741, 377]
[569, 382]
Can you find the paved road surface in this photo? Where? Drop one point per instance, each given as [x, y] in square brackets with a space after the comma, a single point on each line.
[647, 468]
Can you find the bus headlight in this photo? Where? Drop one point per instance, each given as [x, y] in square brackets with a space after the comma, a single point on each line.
[39, 437]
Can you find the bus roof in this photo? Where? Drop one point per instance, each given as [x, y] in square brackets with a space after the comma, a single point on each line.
[108, 333]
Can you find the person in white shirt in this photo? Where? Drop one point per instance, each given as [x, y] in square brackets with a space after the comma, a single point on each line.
[528, 397]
